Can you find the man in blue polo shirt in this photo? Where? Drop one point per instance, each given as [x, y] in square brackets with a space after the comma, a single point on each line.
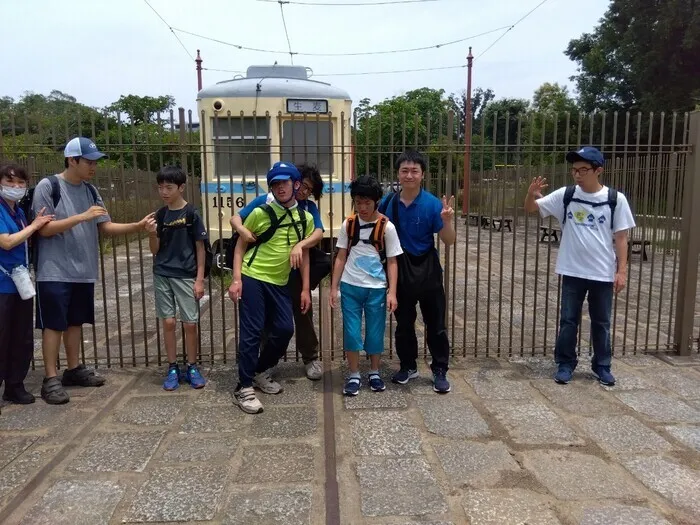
[418, 215]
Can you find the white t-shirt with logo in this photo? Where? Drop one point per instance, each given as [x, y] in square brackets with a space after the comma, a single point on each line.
[363, 266]
[587, 249]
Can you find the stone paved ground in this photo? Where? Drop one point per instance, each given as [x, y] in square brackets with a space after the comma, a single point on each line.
[507, 446]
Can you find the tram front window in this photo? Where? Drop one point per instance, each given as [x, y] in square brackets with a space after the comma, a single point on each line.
[241, 146]
[308, 141]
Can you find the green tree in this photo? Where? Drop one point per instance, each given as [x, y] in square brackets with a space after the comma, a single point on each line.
[644, 55]
[416, 119]
[141, 110]
[46, 119]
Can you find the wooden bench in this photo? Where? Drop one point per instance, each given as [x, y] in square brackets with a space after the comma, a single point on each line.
[498, 223]
[552, 234]
[641, 248]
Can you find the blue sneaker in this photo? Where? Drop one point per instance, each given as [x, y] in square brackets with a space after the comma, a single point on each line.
[194, 377]
[376, 383]
[172, 380]
[404, 375]
[564, 374]
[352, 387]
[440, 383]
[603, 374]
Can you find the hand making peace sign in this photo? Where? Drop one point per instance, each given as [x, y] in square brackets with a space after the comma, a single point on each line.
[447, 209]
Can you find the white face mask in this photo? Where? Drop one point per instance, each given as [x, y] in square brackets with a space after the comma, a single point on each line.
[12, 194]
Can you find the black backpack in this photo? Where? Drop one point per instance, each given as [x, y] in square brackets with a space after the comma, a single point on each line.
[26, 205]
[569, 198]
[275, 224]
[189, 224]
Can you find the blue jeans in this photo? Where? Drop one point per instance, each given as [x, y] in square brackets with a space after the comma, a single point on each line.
[268, 307]
[600, 296]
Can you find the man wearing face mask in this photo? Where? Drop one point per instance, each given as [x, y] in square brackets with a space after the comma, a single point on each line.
[16, 338]
[67, 264]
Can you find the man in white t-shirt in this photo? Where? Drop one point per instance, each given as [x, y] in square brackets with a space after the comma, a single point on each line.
[592, 258]
[364, 240]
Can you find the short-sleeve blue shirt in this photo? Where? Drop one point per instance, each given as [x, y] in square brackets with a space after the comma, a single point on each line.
[17, 255]
[306, 205]
[417, 223]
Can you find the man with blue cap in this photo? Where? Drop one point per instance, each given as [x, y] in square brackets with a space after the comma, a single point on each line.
[66, 266]
[592, 259]
[260, 274]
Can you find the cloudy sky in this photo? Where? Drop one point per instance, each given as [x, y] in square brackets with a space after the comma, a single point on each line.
[97, 50]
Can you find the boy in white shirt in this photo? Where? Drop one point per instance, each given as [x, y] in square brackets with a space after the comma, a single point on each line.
[592, 258]
[364, 241]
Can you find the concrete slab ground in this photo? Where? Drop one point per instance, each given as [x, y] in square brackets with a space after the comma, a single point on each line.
[506, 446]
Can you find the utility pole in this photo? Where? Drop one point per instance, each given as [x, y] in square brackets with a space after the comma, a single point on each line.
[199, 72]
[467, 136]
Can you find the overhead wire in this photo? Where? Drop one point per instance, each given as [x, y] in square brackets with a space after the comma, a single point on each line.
[348, 54]
[388, 72]
[286, 33]
[511, 28]
[171, 29]
[344, 4]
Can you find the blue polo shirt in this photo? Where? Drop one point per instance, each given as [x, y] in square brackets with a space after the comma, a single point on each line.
[305, 205]
[14, 257]
[418, 222]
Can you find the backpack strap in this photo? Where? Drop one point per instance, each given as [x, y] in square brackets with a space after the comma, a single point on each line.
[160, 219]
[353, 231]
[55, 190]
[395, 198]
[378, 233]
[568, 196]
[268, 233]
[93, 192]
[612, 202]
[302, 223]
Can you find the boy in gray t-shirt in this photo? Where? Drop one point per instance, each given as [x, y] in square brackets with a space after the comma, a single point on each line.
[67, 264]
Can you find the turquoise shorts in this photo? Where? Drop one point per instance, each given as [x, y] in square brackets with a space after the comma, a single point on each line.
[354, 300]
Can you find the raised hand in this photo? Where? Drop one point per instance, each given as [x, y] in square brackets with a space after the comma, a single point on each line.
[151, 225]
[447, 208]
[144, 223]
[536, 186]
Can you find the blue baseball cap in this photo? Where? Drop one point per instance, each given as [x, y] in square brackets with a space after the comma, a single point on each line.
[82, 147]
[283, 171]
[586, 154]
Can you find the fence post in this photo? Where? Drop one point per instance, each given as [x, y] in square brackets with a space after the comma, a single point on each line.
[690, 242]
[183, 154]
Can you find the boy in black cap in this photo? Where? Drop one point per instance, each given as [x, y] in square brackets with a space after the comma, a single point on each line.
[592, 258]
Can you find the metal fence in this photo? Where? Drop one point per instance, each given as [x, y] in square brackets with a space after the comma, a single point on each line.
[503, 295]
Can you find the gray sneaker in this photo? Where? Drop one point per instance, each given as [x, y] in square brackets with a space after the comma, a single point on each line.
[53, 393]
[264, 382]
[314, 370]
[246, 399]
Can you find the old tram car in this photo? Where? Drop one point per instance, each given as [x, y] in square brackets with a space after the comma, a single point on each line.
[274, 113]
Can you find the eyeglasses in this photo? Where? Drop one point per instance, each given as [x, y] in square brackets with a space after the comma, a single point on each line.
[581, 171]
[306, 188]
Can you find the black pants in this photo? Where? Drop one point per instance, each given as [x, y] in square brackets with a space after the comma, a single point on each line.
[432, 306]
[304, 331]
[16, 338]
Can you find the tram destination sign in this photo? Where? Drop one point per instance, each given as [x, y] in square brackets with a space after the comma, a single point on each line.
[299, 105]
